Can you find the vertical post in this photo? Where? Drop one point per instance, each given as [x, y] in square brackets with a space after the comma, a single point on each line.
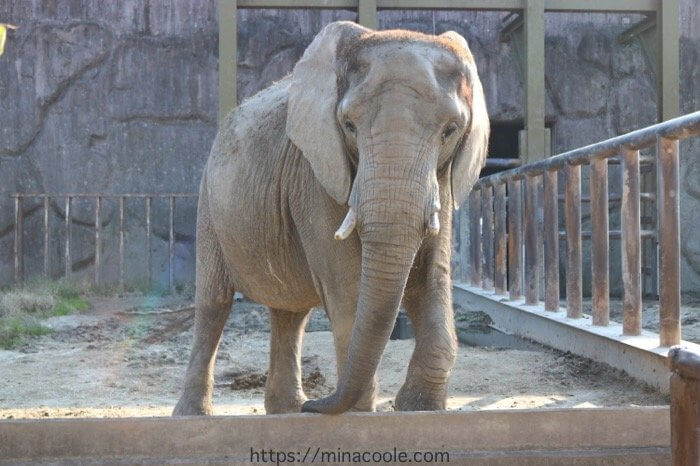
[19, 232]
[631, 245]
[532, 267]
[668, 76]
[475, 237]
[668, 224]
[685, 411]
[121, 242]
[98, 239]
[572, 214]
[487, 237]
[534, 79]
[515, 290]
[171, 244]
[600, 241]
[149, 201]
[367, 13]
[463, 219]
[228, 51]
[551, 240]
[68, 259]
[46, 236]
[500, 241]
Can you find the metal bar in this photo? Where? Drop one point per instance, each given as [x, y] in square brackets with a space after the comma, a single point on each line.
[647, 197]
[148, 240]
[46, 236]
[500, 279]
[228, 50]
[613, 234]
[502, 163]
[631, 245]
[121, 243]
[532, 266]
[534, 80]
[668, 225]
[298, 4]
[572, 213]
[551, 241]
[19, 254]
[668, 37]
[98, 239]
[487, 238]
[171, 245]
[68, 260]
[463, 217]
[678, 128]
[367, 13]
[475, 238]
[515, 289]
[600, 242]
[105, 195]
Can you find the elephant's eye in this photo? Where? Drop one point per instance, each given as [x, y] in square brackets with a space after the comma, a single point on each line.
[350, 126]
[449, 131]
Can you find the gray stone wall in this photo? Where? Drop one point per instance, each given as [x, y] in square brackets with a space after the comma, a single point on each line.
[122, 96]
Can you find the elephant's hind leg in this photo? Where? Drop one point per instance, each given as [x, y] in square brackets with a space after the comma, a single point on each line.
[284, 392]
[213, 297]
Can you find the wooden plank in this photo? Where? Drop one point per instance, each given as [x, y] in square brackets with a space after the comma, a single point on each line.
[668, 76]
[487, 237]
[501, 268]
[475, 237]
[367, 13]
[515, 290]
[551, 241]
[68, 259]
[171, 244]
[121, 243]
[600, 242]
[228, 52]
[149, 201]
[47, 201]
[572, 213]
[532, 264]
[18, 249]
[98, 238]
[534, 80]
[668, 224]
[631, 245]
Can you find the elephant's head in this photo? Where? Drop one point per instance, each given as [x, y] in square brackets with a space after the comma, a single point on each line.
[381, 117]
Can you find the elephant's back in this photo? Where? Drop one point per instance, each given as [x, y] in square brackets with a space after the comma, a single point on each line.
[247, 175]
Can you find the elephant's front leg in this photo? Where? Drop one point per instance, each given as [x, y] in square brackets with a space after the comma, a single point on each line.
[283, 391]
[428, 302]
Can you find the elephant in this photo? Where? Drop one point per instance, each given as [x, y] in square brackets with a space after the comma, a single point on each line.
[335, 186]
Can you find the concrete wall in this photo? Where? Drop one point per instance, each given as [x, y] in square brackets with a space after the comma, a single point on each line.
[122, 97]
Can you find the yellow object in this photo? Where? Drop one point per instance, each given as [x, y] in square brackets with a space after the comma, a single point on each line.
[3, 36]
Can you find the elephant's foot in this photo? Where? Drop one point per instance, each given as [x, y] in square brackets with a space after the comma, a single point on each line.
[279, 403]
[192, 406]
[417, 396]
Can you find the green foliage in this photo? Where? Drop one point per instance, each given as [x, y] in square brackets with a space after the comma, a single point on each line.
[13, 328]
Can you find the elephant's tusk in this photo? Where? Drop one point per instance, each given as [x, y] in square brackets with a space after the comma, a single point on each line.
[434, 224]
[347, 226]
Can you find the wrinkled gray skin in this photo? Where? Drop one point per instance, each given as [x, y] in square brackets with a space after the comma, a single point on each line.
[390, 125]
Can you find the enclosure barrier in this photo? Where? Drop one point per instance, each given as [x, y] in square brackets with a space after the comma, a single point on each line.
[497, 219]
[97, 198]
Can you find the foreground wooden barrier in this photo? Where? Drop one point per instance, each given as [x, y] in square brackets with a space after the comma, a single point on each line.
[685, 417]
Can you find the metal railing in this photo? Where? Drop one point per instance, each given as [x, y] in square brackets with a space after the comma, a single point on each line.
[503, 213]
[97, 198]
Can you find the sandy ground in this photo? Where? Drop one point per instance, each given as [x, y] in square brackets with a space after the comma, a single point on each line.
[127, 357]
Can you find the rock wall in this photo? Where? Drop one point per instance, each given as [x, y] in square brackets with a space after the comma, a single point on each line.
[122, 97]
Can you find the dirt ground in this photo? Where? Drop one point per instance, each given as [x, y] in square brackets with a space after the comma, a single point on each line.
[127, 356]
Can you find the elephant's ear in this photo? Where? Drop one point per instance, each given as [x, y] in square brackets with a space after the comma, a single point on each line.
[311, 120]
[470, 156]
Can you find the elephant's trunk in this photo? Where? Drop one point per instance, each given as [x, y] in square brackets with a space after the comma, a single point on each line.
[392, 207]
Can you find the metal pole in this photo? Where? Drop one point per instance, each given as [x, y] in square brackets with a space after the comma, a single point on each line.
[171, 245]
[572, 213]
[367, 13]
[121, 242]
[668, 56]
[46, 237]
[514, 239]
[19, 254]
[500, 284]
[475, 238]
[98, 240]
[668, 225]
[551, 241]
[631, 245]
[534, 79]
[68, 260]
[149, 200]
[228, 48]
[532, 266]
[487, 237]
[600, 242]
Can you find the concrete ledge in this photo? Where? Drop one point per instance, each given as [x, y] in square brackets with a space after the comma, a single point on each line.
[639, 356]
[565, 436]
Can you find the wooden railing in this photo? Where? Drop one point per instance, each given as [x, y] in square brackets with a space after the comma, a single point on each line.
[503, 211]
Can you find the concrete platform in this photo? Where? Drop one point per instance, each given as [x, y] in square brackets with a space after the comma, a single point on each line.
[639, 356]
[624, 436]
